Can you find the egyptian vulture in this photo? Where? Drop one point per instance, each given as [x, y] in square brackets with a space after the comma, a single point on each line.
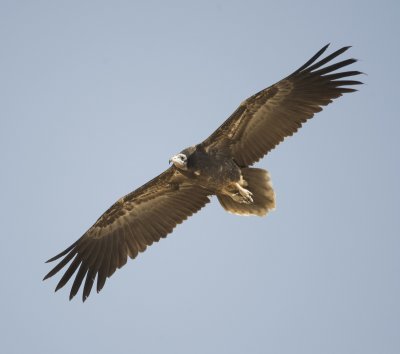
[220, 165]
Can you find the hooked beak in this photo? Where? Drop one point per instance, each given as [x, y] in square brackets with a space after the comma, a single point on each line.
[172, 159]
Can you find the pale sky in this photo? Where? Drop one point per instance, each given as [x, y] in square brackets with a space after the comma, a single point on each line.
[98, 95]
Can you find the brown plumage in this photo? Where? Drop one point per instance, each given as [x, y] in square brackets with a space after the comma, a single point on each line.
[217, 166]
[128, 227]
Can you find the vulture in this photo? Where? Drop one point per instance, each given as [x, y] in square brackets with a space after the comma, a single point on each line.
[220, 166]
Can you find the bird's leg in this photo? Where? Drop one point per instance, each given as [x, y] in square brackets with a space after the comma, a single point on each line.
[239, 194]
[245, 195]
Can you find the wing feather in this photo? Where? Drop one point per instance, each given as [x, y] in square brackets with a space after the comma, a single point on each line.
[127, 228]
[265, 119]
[105, 264]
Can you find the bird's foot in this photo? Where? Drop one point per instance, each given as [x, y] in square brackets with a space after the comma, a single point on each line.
[237, 197]
[243, 195]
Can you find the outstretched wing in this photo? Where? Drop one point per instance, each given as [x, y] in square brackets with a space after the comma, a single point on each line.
[263, 120]
[127, 228]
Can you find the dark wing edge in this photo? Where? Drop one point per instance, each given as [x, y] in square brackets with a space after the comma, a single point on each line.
[127, 228]
[263, 120]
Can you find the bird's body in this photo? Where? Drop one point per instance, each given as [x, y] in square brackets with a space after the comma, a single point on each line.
[216, 171]
[213, 169]
[220, 165]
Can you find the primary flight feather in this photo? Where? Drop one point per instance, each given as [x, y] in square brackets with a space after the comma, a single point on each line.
[217, 166]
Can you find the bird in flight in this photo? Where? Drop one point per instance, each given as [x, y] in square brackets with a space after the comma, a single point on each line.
[220, 165]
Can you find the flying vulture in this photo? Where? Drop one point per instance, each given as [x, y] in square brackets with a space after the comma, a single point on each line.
[220, 165]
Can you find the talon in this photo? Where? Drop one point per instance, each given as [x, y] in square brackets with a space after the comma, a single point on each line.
[237, 197]
[246, 194]
[248, 199]
[242, 199]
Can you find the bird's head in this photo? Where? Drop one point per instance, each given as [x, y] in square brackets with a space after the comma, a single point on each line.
[180, 161]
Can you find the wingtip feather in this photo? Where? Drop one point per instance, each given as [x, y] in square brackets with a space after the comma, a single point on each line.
[58, 287]
[63, 253]
[326, 46]
[52, 259]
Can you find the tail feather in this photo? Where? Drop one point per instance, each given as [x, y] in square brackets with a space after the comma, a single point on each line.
[259, 183]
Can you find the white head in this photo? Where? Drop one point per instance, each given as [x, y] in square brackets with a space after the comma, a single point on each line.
[180, 161]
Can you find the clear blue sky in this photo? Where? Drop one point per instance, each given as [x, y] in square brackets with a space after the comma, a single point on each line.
[95, 98]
